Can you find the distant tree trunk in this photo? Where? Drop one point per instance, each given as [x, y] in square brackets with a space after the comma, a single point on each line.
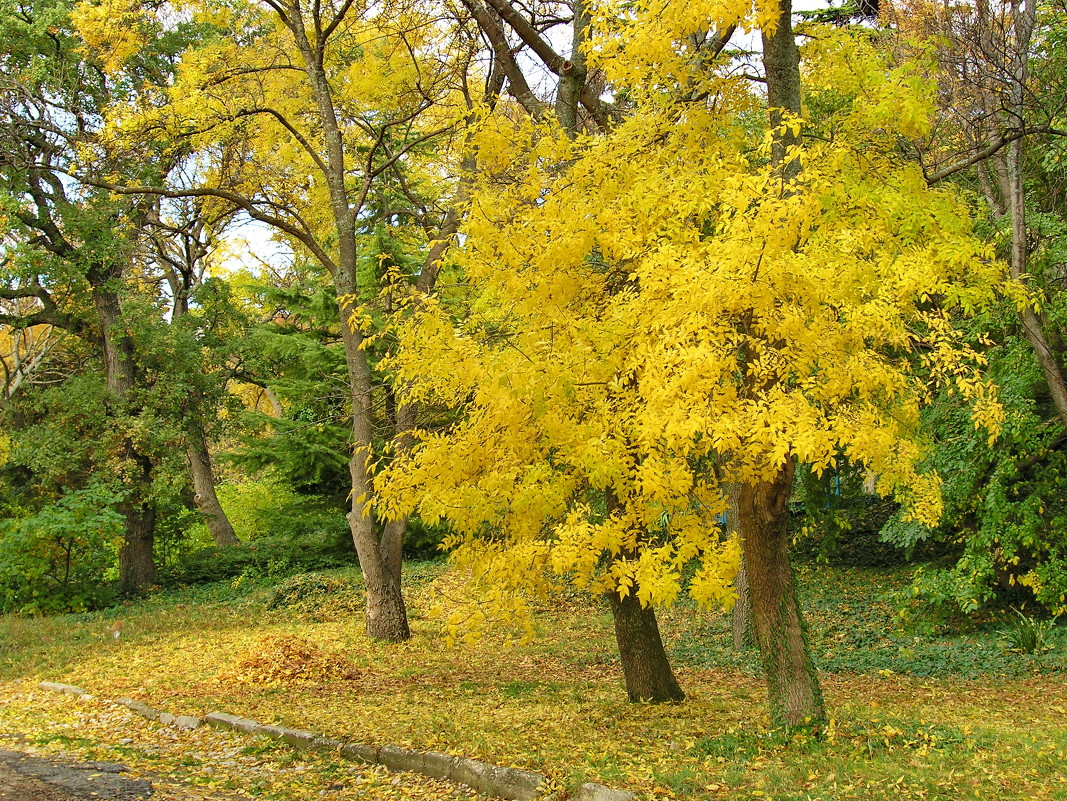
[645, 666]
[741, 617]
[207, 501]
[792, 684]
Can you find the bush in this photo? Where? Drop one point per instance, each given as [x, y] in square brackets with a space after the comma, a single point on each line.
[54, 561]
[275, 557]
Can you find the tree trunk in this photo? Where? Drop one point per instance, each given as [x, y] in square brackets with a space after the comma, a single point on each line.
[218, 524]
[741, 616]
[137, 569]
[137, 566]
[645, 666]
[792, 684]
[386, 617]
[1033, 326]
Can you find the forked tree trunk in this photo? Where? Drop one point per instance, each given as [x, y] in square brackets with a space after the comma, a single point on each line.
[645, 666]
[206, 499]
[792, 684]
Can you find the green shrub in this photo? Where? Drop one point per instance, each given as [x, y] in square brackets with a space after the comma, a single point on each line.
[274, 557]
[318, 596]
[54, 561]
[1028, 635]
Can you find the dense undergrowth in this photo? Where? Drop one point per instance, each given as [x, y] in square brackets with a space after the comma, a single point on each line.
[927, 709]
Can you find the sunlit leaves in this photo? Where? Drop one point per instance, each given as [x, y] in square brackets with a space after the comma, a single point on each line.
[652, 312]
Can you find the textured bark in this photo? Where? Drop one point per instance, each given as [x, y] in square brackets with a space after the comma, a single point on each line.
[781, 63]
[645, 666]
[573, 73]
[386, 616]
[207, 501]
[792, 684]
[137, 569]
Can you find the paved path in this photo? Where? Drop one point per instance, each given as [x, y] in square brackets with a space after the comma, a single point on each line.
[29, 778]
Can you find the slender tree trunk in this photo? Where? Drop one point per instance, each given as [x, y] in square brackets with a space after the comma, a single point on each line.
[741, 616]
[386, 616]
[645, 666]
[792, 684]
[1033, 326]
[207, 501]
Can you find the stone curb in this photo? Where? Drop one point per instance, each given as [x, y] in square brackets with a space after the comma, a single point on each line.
[167, 719]
[513, 784]
[64, 689]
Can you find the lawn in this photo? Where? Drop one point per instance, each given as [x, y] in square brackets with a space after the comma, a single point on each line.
[929, 712]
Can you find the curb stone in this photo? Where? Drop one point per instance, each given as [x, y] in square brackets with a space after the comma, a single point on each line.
[591, 791]
[513, 784]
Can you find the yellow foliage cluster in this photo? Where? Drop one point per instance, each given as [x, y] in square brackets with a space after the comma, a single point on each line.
[652, 313]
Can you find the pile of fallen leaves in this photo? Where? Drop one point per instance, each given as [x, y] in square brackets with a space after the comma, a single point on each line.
[283, 660]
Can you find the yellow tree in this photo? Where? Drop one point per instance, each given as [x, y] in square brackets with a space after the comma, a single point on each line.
[293, 113]
[689, 301]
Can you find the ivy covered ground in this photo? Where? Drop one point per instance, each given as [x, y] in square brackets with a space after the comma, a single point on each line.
[931, 709]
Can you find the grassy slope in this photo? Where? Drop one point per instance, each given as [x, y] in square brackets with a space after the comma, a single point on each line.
[923, 717]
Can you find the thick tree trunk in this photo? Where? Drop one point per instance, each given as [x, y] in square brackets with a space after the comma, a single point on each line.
[792, 684]
[207, 501]
[137, 569]
[137, 566]
[645, 666]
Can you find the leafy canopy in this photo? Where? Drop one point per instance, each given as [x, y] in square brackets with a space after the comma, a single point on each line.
[651, 313]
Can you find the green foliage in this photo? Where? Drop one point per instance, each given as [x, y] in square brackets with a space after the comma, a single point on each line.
[1028, 635]
[318, 596]
[834, 521]
[269, 507]
[854, 627]
[1005, 502]
[55, 560]
[268, 558]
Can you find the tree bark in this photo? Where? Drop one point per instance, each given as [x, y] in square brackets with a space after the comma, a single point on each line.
[137, 568]
[1033, 325]
[386, 615]
[645, 666]
[792, 684]
[207, 501]
[741, 616]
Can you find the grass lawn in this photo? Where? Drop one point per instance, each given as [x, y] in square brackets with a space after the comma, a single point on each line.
[915, 715]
